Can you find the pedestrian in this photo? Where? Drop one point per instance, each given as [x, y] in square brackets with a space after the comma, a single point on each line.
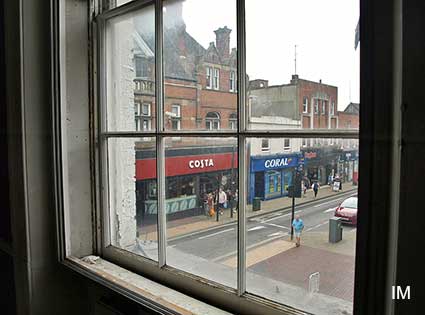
[211, 204]
[222, 199]
[304, 188]
[315, 188]
[235, 200]
[298, 226]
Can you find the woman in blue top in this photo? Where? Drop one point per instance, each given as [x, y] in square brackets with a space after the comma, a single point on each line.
[298, 226]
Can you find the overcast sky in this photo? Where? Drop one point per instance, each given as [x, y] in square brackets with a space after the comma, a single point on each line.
[323, 31]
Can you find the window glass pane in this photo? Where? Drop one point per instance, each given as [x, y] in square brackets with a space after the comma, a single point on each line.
[130, 70]
[291, 77]
[132, 197]
[276, 268]
[201, 199]
[199, 57]
[110, 4]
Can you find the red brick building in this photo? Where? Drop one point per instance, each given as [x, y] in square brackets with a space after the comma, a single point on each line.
[200, 85]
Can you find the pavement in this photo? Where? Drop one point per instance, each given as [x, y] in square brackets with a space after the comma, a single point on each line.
[185, 226]
[276, 269]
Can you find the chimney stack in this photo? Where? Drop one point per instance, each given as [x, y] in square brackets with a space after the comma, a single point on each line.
[222, 39]
[173, 16]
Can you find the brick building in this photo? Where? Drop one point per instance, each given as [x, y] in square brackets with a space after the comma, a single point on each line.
[313, 103]
[199, 83]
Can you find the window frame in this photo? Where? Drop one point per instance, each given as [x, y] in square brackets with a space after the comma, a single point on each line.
[287, 147]
[211, 121]
[216, 78]
[305, 105]
[266, 147]
[146, 266]
[208, 77]
[232, 81]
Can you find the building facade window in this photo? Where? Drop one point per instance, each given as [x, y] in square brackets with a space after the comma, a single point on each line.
[232, 81]
[212, 121]
[216, 79]
[141, 67]
[142, 115]
[265, 145]
[333, 108]
[286, 144]
[305, 104]
[233, 121]
[176, 117]
[324, 103]
[208, 77]
[316, 105]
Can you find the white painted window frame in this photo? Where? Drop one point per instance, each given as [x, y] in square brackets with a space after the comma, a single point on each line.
[216, 79]
[305, 105]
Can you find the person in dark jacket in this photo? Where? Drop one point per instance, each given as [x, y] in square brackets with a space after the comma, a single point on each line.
[315, 188]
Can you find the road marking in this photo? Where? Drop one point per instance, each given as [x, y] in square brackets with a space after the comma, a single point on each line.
[275, 234]
[267, 240]
[209, 235]
[280, 216]
[259, 254]
[278, 226]
[255, 228]
[317, 226]
[325, 203]
[329, 210]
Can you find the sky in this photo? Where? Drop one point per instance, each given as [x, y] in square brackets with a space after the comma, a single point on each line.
[323, 31]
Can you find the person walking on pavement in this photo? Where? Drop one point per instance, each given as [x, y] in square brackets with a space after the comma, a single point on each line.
[222, 199]
[315, 188]
[298, 226]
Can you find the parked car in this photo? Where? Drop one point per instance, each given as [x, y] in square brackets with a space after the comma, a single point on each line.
[347, 210]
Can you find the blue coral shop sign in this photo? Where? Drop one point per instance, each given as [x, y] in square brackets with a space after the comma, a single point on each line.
[259, 164]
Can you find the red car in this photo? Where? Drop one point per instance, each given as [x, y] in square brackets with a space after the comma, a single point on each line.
[347, 210]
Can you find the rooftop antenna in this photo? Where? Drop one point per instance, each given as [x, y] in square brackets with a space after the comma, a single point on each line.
[349, 90]
[295, 59]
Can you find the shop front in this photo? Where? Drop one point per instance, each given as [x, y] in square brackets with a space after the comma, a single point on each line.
[348, 166]
[270, 176]
[188, 179]
[321, 164]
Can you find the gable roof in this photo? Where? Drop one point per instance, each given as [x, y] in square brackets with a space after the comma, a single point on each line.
[352, 108]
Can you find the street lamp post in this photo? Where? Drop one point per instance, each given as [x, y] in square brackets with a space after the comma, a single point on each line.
[232, 179]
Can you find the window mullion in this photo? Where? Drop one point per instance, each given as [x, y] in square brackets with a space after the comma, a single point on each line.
[241, 62]
[160, 146]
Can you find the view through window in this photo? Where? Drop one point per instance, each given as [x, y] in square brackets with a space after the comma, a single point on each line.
[299, 141]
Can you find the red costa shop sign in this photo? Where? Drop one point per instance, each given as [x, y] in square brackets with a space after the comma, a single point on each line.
[183, 165]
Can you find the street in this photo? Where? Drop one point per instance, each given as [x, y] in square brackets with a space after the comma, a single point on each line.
[218, 243]
[277, 269]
